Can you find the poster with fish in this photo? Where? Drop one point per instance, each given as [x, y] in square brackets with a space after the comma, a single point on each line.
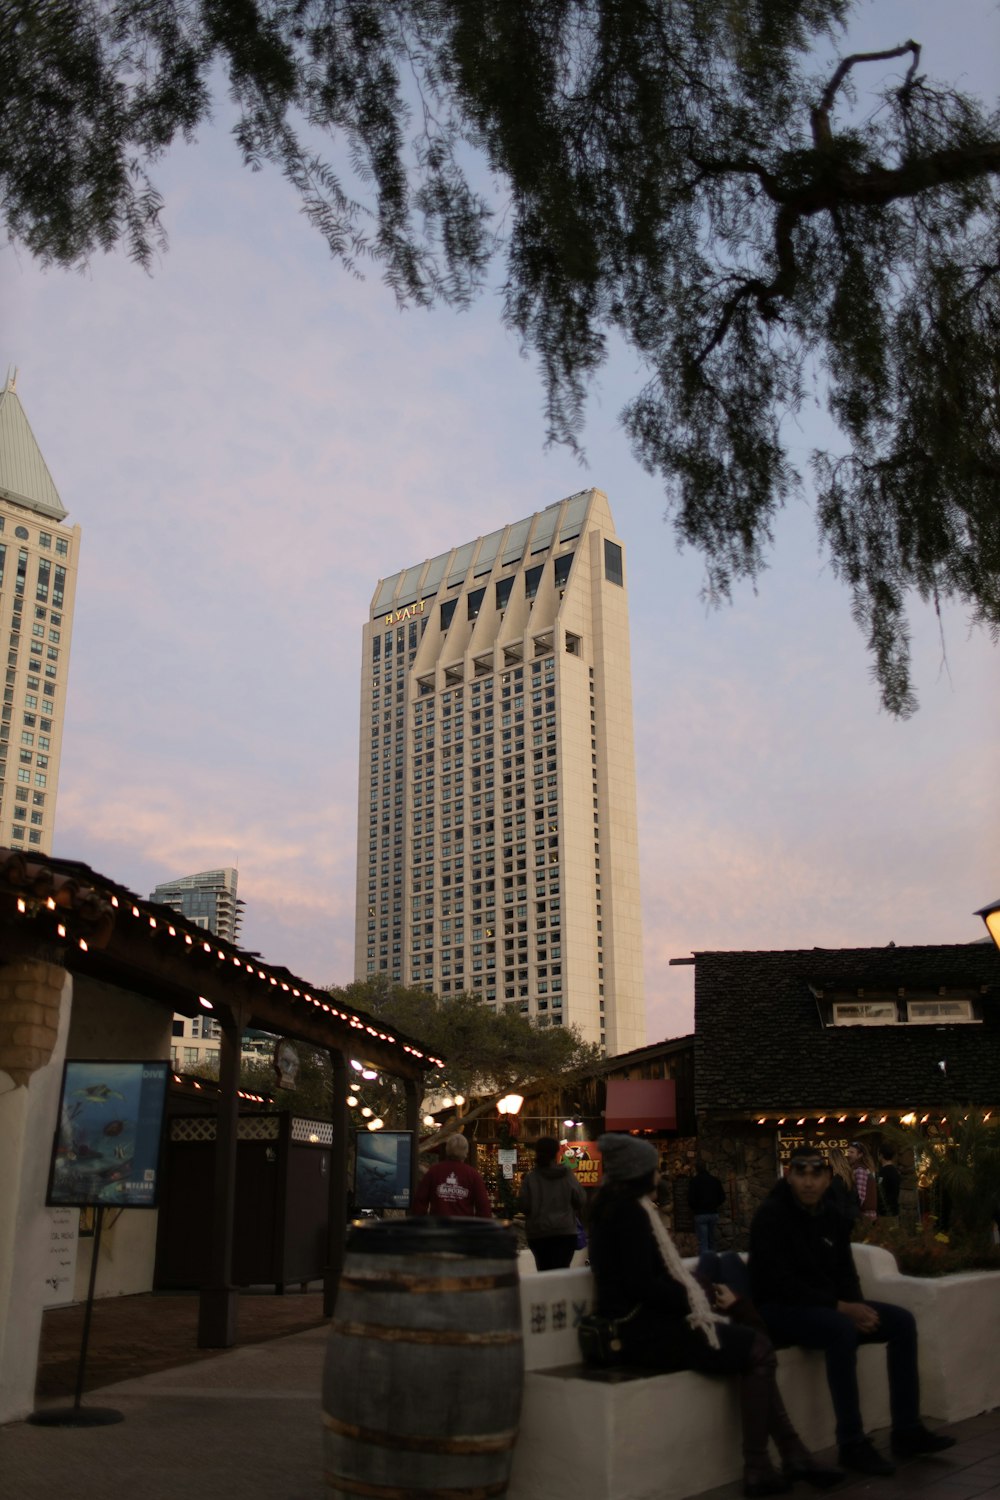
[382, 1169]
[107, 1142]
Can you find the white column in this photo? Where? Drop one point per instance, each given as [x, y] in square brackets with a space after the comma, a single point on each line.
[35, 1003]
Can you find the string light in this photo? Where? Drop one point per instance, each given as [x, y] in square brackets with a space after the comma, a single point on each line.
[354, 1021]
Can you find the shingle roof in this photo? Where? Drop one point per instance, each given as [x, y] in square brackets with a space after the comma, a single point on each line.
[760, 1041]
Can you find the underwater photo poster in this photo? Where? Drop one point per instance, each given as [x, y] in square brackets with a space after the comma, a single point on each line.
[382, 1169]
[106, 1150]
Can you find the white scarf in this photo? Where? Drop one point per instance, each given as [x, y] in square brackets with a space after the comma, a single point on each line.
[701, 1315]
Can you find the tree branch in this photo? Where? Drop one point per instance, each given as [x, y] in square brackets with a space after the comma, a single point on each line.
[821, 132]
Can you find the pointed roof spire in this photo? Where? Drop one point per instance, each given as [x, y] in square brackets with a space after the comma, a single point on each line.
[24, 474]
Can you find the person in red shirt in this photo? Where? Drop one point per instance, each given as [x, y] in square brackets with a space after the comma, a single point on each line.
[451, 1187]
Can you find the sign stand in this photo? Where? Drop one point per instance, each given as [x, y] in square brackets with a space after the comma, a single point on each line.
[106, 1149]
[77, 1415]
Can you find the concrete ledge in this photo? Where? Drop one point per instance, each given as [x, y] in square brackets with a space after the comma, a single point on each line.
[626, 1435]
[662, 1437]
[958, 1321]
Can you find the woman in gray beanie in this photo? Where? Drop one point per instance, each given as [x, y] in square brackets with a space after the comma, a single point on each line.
[671, 1323]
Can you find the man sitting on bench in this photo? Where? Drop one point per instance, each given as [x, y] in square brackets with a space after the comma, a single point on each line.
[806, 1288]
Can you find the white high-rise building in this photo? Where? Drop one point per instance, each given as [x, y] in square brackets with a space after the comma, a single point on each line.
[38, 560]
[497, 832]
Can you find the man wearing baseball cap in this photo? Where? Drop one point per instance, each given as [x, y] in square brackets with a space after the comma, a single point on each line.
[805, 1285]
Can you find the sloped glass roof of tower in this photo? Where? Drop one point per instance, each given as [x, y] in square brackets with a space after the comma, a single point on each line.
[451, 568]
[24, 474]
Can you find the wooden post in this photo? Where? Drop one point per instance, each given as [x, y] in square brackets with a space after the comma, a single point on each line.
[414, 1095]
[336, 1232]
[219, 1299]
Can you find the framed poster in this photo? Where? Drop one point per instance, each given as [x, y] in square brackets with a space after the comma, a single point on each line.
[107, 1143]
[382, 1168]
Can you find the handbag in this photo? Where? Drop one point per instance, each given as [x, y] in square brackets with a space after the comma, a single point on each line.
[600, 1338]
[581, 1235]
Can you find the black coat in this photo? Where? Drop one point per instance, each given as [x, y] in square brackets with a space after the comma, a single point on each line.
[800, 1258]
[706, 1194]
[630, 1274]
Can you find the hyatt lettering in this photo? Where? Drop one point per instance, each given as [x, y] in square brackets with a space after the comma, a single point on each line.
[394, 618]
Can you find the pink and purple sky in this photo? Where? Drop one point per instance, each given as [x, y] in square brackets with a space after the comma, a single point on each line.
[249, 439]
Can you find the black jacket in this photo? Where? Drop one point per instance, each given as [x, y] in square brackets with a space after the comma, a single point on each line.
[630, 1274]
[800, 1258]
[706, 1194]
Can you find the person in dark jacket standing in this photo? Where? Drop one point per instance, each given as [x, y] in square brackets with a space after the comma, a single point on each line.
[888, 1180]
[669, 1322]
[706, 1196]
[805, 1285]
[551, 1200]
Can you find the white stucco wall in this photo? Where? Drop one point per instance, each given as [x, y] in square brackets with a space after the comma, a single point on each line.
[113, 1024]
[27, 1121]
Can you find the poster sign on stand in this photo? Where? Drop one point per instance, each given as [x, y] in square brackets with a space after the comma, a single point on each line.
[105, 1153]
[107, 1144]
[382, 1168]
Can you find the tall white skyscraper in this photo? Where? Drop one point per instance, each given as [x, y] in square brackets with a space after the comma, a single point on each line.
[497, 833]
[38, 560]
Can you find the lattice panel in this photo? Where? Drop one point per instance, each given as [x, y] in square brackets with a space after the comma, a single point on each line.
[202, 1128]
[313, 1132]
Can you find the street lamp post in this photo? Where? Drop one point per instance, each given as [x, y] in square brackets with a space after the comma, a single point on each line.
[508, 1109]
[991, 916]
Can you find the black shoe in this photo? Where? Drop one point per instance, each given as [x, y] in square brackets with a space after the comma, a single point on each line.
[811, 1471]
[864, 1459]
[920, 1440]
[770, 1482]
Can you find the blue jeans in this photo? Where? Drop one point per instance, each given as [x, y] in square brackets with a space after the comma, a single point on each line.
[704, 1228]
[827, 1329]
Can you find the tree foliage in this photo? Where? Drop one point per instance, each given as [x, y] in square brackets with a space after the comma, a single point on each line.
[487, 1053]
[960, 1160]
[685, 175]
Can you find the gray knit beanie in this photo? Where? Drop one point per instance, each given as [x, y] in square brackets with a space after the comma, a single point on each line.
[626, 1157]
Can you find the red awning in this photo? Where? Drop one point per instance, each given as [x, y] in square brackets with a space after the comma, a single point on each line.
[641, 1104]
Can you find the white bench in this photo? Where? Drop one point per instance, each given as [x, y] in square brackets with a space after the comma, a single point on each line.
[618, 1435]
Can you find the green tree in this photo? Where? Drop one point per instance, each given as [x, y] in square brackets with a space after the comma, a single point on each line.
[487, 1054]
[960, 1160]
[686, 175]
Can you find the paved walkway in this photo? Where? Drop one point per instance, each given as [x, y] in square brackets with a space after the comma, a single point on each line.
[247, 1423]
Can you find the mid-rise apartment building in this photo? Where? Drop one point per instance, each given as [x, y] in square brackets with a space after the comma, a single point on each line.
[497, 830]
[38, 561]
[209, 900]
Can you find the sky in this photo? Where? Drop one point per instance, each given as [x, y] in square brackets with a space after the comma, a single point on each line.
[250, 438]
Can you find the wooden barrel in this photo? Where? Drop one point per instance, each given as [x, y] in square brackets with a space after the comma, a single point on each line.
[424, 1367]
